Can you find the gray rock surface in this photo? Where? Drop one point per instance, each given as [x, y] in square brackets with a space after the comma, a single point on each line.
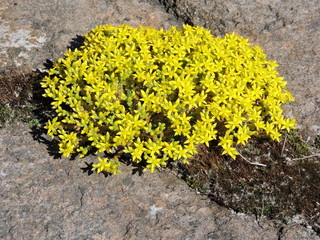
[288, 31]
[32, 31]
[43, 197]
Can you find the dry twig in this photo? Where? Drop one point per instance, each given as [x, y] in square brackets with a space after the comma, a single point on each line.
[252, 163]
[310, 156]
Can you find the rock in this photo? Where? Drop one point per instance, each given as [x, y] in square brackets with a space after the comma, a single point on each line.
[288, 31]
[296, 232]
[33, 31]
[45, 197]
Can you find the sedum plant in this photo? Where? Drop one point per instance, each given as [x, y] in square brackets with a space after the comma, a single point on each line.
[158, 94]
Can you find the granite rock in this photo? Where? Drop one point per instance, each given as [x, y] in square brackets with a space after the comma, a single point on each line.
[45, 197]
[33, 31]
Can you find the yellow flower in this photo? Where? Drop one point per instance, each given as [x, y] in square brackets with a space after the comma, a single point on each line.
[243, 134]
[234, 122]
[170, 107]
[52, 127]
[206, 138]
[153, 162]
[158, 94]
[275, 135]
[231, 151]
[107, 166]
[170, 148]
[181, 154]
[288, 124]
[104, 143]
[153, 147]
[226, 140]
[269, 127]
[206, 118]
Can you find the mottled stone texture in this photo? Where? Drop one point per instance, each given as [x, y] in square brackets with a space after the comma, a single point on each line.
[45, 197]
[32, 31]
[288, 30]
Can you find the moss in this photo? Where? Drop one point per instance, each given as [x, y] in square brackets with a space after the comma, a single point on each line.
[5, 115]
[297, 145]
[198, 183]
[278, 191]
[317, 142]
[21, 97]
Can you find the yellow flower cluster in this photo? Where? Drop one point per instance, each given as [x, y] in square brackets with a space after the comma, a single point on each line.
[158, 94]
